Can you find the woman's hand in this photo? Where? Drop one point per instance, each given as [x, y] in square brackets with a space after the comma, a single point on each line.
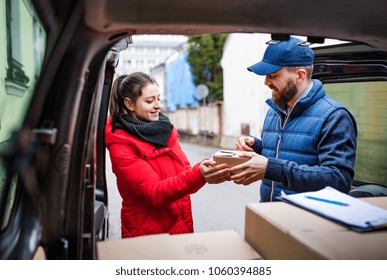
[214, 174]
[250, 171]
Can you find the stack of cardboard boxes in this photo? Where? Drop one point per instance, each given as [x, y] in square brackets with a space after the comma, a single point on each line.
[275, 230]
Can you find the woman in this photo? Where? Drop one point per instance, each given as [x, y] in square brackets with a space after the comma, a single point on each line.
[153, 174]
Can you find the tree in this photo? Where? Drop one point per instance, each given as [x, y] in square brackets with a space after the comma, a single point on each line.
[204, 55]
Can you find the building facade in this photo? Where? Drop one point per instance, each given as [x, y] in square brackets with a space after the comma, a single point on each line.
[21, 57]
[148, 51]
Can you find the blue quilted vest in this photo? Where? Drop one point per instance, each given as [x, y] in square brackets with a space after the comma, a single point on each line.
[295, 137]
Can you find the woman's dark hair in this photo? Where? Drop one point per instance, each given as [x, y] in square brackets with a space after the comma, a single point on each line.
[127, 86]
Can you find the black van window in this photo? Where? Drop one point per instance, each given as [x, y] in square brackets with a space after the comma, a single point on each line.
[367, 102]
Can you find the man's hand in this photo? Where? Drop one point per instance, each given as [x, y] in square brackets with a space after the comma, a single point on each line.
[244, 143]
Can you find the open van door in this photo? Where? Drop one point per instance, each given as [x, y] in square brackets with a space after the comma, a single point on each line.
[356, 76]
[53, 191]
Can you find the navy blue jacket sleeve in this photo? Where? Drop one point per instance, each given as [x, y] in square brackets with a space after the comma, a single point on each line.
[257, 146]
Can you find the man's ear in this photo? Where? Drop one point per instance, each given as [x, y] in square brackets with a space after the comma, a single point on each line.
[129, 104]
[301, 74]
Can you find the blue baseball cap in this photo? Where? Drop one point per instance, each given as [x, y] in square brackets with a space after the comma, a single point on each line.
[283, 53]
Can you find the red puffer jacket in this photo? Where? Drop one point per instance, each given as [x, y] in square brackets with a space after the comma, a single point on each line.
[154, 184]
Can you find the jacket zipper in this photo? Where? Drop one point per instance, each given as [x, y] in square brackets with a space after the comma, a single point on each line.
[282, 127]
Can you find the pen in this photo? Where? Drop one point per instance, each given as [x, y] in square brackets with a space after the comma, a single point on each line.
[327, 200]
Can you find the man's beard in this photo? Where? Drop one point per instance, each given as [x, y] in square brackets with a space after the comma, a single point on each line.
[284, 96]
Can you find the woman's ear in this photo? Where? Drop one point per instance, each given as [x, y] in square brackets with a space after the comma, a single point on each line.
[129, 104]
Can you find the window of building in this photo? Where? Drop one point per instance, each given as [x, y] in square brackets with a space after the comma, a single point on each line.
[16, 79]
[23, 56]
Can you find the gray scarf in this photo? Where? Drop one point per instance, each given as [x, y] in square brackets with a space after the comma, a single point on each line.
[155, 132]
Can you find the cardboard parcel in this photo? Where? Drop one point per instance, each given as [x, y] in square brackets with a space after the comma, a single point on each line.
[281, 231]
[218, 245]
[230, 157]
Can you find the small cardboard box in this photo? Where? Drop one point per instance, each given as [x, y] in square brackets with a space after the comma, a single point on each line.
[281, 231]
[219, 245]
[230, 157]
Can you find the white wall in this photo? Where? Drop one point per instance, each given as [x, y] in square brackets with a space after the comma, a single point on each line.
[244, 92]
[195, 121]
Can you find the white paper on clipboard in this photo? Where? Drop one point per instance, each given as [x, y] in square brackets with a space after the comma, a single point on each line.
[348, 210]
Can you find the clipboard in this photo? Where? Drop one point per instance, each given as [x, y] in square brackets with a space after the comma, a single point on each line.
[339, 207]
